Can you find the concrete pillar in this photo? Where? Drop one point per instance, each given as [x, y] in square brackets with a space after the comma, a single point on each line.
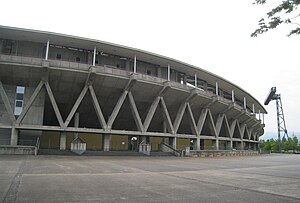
[159, 72]
[184, 79]
[165, 131]
[134, 65]
[232, 95]
[198, 144]
[129, 142]
[194, 144]
[63, 141]
[217, 144]
[94, 56]
[76, 124]
[217, 88]
[242, 145]
[245, 103]
[231, 144]
[14, 137]
[106, 142]
[127, 65]
[205, 86]
[172, 142]
[196, 80]
[47, 50]
[169, 72]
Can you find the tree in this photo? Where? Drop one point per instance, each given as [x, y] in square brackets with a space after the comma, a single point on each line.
[284, 13]
[290, 143]
[294, 144]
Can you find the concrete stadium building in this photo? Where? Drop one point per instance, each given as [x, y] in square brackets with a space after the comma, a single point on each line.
[57, 89]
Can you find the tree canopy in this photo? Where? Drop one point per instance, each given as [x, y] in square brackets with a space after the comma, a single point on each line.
[285, 13]
[290, 144]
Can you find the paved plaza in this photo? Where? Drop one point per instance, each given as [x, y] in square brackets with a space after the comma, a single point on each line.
[45, 178]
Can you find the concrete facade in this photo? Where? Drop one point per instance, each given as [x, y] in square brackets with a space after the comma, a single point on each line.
[107, 94]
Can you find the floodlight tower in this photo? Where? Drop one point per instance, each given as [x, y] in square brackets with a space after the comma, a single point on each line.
[280, 117]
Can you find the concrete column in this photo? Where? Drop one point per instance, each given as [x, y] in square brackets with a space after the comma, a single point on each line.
[196, 80]
[134, 65]
[205, 86]
[245, 103]
[217, 88]
[231, 144]
[165, 131]
[159, 72]
[47, 50]
[198, 143]
[14, 137]
[129, 142]
[94, 56]
[63, 141]
[242, 145]
[184, 79]
[127, 65]
[232, 95]
[76, 124]
[169, 72]
[217, 144]
[106, 142]
[194, 144]
[172, 142]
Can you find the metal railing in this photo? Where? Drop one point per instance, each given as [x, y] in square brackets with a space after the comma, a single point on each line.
[37, 145]
[173, 150]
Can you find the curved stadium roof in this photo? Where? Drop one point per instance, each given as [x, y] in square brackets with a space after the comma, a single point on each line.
[89, 44]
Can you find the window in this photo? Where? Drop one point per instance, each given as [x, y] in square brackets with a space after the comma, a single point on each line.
[20, 91]
[148, 72]
[19, 96]
[8, 46]
[19, 103]
[58, 56]
[77, 59]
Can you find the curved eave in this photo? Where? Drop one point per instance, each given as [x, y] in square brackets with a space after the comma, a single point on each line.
[89, 44]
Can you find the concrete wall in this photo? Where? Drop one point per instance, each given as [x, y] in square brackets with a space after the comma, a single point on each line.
[34, 115]
[207, 144]
[154, 142]
[182, 143]
[4, 136]
[36, 112]
[11, 94]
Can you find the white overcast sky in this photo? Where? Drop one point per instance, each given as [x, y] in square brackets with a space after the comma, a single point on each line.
[213, 35]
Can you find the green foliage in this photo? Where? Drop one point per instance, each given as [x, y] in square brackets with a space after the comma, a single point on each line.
[284, 13]
[288, 145]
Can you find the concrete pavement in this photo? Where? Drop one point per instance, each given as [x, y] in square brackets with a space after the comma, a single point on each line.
[267, 178]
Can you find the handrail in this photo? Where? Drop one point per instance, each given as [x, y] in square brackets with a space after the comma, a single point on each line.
[175, 151]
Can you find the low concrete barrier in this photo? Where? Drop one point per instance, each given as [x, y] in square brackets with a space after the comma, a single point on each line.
[26, 150]
[222, 153]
